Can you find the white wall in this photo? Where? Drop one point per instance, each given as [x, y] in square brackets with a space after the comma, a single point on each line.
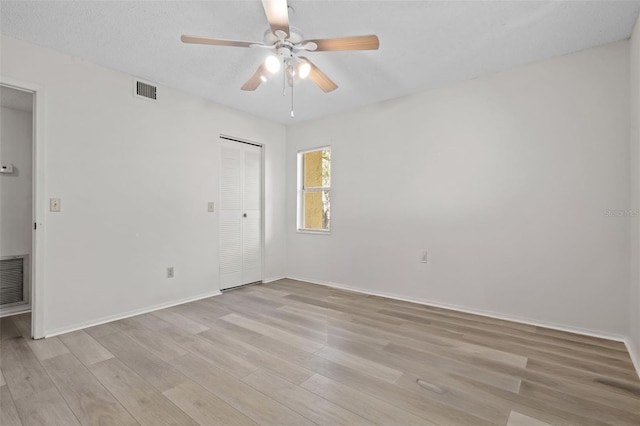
[504, 179]
[134, 178]
[16, 129]
[634, 300]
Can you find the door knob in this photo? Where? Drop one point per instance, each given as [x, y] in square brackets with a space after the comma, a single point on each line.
[244, 215]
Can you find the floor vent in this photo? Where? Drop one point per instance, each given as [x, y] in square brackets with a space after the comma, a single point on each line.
[12, 275]
[145, 90]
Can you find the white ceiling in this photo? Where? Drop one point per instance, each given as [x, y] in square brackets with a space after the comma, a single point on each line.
[423, 44]
[16, 99]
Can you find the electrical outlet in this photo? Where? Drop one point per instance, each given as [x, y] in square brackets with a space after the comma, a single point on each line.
[210, 207]
[423, 256]
[54, 204]
[170, 272]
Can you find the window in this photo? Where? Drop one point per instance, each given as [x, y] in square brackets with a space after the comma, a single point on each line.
[314, 190]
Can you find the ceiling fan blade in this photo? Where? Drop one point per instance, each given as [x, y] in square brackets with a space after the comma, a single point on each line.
[277, 13]
[255, 80]
[319, 78]
[218, 41]
[368, 42]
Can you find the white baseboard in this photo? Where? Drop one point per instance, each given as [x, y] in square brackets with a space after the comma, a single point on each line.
[490, 314]
[92, 323]
[270, 280]
[15, 310]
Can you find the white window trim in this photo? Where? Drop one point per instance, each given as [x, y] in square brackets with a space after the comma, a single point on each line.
[300, 191]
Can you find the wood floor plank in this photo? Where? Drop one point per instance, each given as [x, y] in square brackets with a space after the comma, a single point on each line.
[256, 356]
[371, 368]
[150, 321]
[448, 392]
[564, 335]
[320, 330]
[158, 343]
[426, 408]
[101, 330]
[436, 368]
[244, 398]
[8, 329]
[455, 344]
[268, 331]
[143, 401]
[576, 382]
[587, 366]
[22, 371]
[271, 319]
[23, 323]
[201, 311]
[537, 408]
[8, 413]
[211, 353]
[47, 348]
[45, 408]
[308, 404]
[147, 365]
[374, 410]
[582, 406]
[347, 310]
[334, 327]
[435, 382]
[534, 349]
[442, 313]
[2, 381]
[91, 403]
[517, 419]
[264, 289]
[85, 347]
[429, 357]
[180, 321]
[204, 407]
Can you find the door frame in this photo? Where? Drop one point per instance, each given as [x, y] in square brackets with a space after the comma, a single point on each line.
[38, 202]
[223, 136]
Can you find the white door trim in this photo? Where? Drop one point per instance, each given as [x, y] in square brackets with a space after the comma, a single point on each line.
[38, 202]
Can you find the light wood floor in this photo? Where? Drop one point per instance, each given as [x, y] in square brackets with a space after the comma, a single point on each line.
[290, 353]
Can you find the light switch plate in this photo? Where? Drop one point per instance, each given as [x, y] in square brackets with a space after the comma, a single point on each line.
[54, 204]
[210, 207]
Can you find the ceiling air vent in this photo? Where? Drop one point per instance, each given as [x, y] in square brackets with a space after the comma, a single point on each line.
[145, 90]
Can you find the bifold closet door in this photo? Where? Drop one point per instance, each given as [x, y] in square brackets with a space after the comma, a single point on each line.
[240, 214]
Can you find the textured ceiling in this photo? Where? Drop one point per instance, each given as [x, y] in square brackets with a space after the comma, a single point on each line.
[16, 99]
[423, 44]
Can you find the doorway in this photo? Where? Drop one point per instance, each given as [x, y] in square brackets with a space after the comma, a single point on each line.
[240, 213]
[16, 199]
[22, 192]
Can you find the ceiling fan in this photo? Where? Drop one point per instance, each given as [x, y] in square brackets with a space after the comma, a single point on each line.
[286, 43]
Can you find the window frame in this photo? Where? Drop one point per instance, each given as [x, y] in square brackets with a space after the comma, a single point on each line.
[301, 191]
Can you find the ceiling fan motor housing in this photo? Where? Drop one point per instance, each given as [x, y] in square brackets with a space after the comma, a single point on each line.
[271, 39]
[285, 51]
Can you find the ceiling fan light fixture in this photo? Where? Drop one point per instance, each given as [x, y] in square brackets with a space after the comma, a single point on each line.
[304, 69]
[272, 64]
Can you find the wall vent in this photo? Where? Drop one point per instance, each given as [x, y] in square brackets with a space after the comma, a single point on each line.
[12, 279]
[145, 90]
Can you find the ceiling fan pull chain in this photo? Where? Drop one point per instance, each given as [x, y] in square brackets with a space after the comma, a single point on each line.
[284, 78]
[292, 100]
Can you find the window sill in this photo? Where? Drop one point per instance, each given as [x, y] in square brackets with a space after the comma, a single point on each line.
[313, 231]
